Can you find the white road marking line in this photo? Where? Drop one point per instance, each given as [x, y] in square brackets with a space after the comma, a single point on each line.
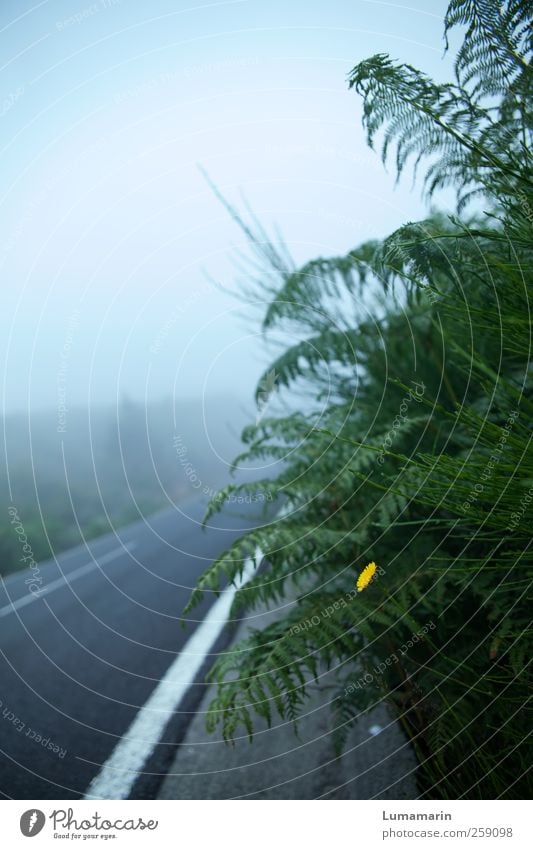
[68, 578]
[119, 773]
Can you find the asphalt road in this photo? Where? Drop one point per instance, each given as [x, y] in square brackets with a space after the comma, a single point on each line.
[78, 662]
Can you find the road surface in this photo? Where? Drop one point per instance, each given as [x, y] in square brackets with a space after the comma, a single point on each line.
[79, 662]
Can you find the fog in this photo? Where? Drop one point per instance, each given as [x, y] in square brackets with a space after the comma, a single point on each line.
[108, 227]
[109, 467]
[119, 262]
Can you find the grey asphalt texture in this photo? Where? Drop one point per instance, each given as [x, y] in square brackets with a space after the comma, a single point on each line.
[78, 662]
[377, 761]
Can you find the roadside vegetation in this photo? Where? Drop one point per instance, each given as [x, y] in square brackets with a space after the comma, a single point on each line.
[409, 443]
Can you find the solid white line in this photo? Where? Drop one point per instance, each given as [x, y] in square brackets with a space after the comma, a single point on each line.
[66, 579]
[118, 774]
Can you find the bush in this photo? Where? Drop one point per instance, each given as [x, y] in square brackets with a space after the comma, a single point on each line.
[414, 450]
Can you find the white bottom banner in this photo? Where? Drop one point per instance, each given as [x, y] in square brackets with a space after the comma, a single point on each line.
[267, 824]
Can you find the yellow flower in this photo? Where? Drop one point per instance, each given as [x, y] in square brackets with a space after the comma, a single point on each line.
[366, 576]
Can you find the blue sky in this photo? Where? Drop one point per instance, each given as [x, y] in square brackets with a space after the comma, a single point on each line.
[107, 226]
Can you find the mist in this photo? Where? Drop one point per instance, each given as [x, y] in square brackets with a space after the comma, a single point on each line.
[118, 261]
[123, 321]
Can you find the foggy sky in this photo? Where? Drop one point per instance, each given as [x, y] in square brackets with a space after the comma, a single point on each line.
[107, 227]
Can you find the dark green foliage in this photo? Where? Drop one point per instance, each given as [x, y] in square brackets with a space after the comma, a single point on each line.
[415, 447]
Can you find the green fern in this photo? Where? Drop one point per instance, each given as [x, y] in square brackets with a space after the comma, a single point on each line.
[374, 470]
